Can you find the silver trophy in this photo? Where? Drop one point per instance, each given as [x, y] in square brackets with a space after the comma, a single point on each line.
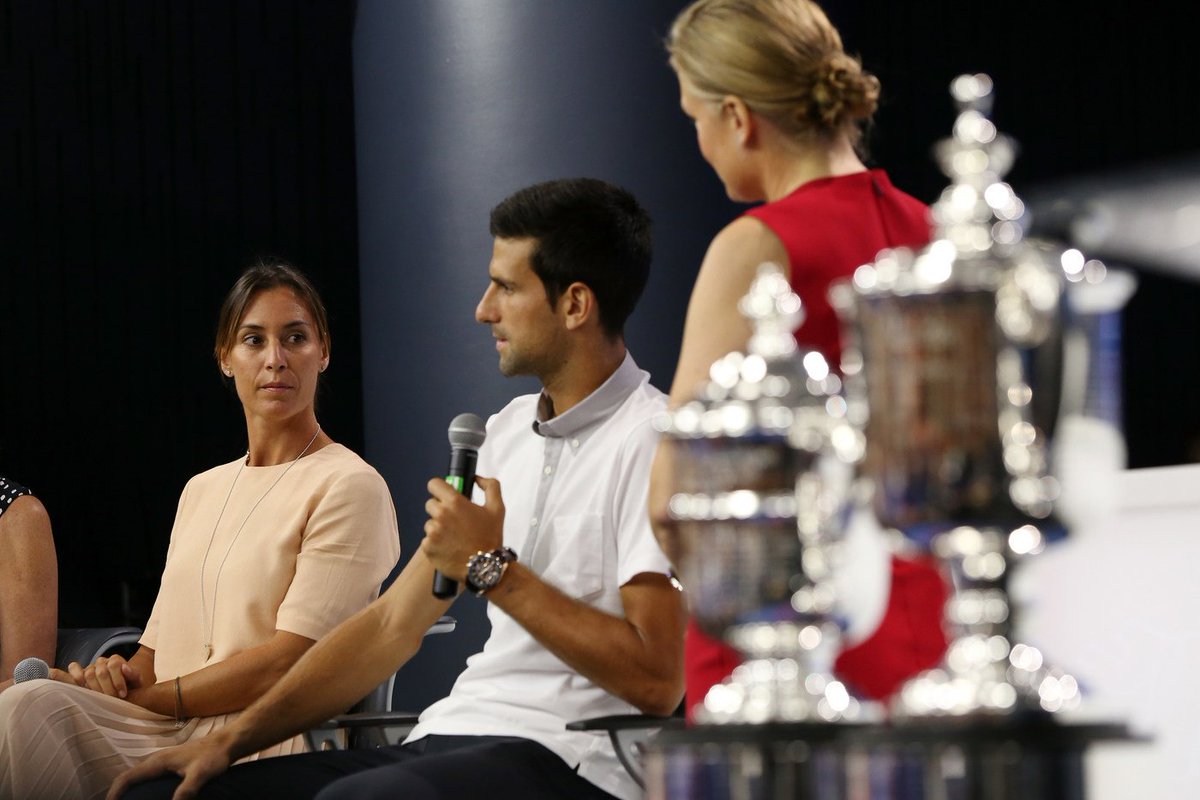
[979, 364]
[762, 465]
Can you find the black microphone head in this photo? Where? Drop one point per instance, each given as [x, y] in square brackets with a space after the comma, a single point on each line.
[29, 669]
[466, 431]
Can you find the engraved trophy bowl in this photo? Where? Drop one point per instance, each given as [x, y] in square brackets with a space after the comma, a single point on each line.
[762, 465]
[968, 360]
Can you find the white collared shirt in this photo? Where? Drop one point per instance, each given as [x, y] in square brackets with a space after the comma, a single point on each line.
[574, 489]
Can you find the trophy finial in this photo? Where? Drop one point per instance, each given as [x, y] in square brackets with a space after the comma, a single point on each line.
[973, 92]
[978, 210]
[774, 311]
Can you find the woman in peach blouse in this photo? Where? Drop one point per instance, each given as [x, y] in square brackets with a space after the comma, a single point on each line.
[268, 553]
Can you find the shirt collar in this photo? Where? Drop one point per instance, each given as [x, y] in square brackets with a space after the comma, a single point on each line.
[596, 406]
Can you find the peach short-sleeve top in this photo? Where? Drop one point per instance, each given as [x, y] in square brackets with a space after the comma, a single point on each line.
[291, 547]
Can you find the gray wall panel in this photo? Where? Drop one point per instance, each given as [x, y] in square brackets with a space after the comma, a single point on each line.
[458, 104]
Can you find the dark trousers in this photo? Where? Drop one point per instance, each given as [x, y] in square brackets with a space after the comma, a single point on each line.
[433, 768]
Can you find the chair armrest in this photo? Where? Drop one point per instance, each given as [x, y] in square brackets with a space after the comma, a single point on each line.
[625, 722]
[368, 719]
[85, 645]
[360, 730]
[638, 728]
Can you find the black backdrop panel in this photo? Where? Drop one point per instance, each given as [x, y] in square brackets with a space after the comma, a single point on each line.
[148, 151]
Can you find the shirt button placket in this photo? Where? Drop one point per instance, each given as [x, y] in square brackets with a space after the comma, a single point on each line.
[551, 451]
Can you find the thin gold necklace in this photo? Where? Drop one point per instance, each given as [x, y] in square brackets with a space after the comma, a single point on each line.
[205, 622]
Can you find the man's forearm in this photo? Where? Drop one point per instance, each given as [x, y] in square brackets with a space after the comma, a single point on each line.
[344, 665]
[323, 683]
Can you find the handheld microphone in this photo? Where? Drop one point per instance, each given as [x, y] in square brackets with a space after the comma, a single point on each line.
[29, 669]
[466, 434]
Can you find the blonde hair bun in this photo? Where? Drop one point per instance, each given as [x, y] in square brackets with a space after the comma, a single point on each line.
[783, 58]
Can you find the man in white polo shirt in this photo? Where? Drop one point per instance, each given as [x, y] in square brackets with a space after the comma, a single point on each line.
[585, 621]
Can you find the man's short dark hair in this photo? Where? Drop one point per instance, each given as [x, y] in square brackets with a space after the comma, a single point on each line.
[587, 231]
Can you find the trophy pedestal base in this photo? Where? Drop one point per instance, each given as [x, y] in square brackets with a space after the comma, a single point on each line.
[779, 690]
[969, 683]
[1031, 758]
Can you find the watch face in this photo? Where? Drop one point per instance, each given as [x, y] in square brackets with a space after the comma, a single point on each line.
[485, 571]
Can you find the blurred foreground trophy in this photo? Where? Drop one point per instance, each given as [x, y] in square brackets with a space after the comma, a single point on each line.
[981, 364]
[763, 461]
[982, 377]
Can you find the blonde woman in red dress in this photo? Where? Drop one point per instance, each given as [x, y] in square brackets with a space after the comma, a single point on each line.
[778, 107]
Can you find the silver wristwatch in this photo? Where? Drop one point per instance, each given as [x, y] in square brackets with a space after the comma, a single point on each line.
[484, 570]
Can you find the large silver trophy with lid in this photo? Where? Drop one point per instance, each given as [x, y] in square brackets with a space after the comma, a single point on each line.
[979, 364]
[762, 468]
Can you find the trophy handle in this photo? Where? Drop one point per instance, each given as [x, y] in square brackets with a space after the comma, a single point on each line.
[1089, 447]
